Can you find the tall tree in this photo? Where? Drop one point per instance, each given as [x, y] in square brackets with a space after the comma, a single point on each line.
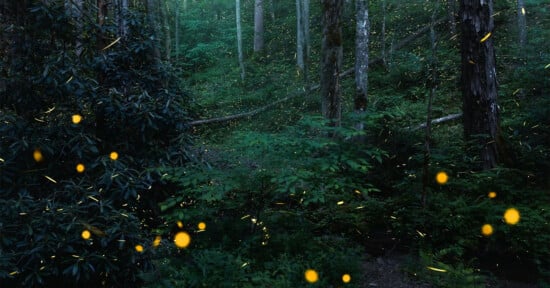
[121, 14]
[383, 32]
[522, 24]
[166, 29]
[303, 46]
[479, 79]
[239, 37]
[74, 10]
[258, 25]
[362, 28]
[331, 61]
[451, 14]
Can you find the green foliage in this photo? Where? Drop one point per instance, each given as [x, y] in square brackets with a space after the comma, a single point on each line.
[296, 193]
[128, 104]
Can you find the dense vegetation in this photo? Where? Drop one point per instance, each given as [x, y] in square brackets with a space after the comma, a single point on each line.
[276, 193]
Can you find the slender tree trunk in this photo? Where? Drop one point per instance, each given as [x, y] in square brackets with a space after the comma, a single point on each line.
[522, 25]
[479, 83]
[362, 28]
[176, 30]
[383, 33]
[239, 37]
[331, 58]
[299, 36]
[166, 29]
[101, 16]
[303, 46]
[451, 11]
[74, 9]
[258, 26]
[272, 10]
[153, 27]
[427, 136]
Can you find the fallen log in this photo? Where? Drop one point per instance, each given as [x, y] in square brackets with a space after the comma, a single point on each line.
[436, 121]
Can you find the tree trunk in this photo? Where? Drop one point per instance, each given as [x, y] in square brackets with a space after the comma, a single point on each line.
[451, 12]
[362, 28]
[272, 10]
[303, 46]
[153, 27]
[101, 16]
[299, 36]
[258, 26]
[479, 83]
[74, 9]
[522, 25]
[239, 37]
[166, 30]
[176, 30]
[331, 57]
[383, 33]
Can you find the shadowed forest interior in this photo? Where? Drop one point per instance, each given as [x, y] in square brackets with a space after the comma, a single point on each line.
[274, 143]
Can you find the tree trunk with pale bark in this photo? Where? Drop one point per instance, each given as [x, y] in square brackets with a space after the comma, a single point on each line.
[362, 28]
[258, 26]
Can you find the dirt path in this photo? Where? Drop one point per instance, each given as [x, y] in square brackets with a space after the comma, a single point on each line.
[387, 272]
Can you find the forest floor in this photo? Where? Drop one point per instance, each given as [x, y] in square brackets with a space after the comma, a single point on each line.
[387, 271]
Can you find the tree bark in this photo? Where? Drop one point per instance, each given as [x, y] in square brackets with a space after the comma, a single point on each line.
[331, 58]
[176, 30]
[522, 25]
[479, 83]
[383, 33]
[299, 36]
[451, 11]
[362, 28]
[239, 37]
[166, 29]
[258, 26]
[74, 9]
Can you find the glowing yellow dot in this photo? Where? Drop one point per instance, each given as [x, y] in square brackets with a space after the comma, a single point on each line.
[156, 242]
[76, 118]
[346, 278]
[37, 155]
[113, 155]
[139, 248]
[311, 276]
[441, 177]
[511, 216]
[180, 224]
[86, 234]
[486, 230]
[182, 239]
[492, 194]
[202, 226]
[80, 168]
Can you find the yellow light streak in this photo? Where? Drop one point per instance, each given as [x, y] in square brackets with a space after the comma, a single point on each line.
[485, 37]
[112, 43]
[436, 269]
[50, 178]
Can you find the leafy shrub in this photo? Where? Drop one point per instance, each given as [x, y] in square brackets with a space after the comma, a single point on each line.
[58, 175]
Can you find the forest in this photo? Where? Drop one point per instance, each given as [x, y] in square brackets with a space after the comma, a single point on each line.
[274, 143]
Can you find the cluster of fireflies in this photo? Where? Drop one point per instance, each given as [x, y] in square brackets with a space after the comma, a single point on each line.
[511, 215]
[311, 276]
[181, 239]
